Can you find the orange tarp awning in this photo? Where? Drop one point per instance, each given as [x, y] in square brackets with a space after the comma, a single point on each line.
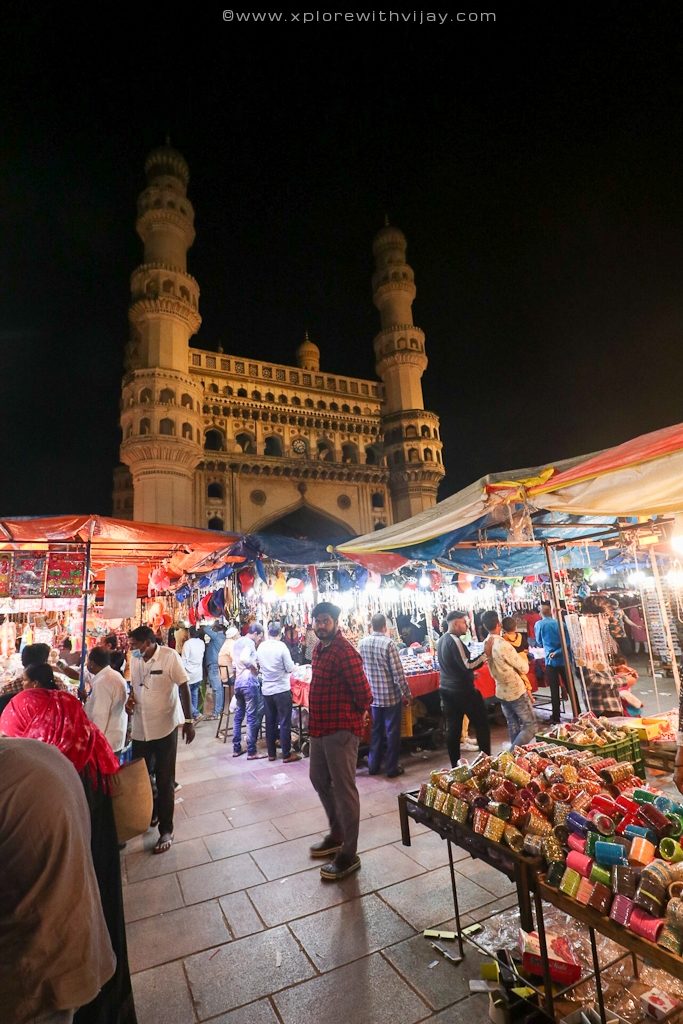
[117, 541]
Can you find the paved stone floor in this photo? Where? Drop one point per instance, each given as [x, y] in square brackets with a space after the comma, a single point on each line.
[235, 926]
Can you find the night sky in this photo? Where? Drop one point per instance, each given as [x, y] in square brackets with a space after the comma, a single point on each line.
[534, 165]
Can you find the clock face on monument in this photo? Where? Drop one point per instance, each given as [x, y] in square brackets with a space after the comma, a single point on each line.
[299, 446]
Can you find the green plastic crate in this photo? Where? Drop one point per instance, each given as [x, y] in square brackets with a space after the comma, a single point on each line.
[627, 749]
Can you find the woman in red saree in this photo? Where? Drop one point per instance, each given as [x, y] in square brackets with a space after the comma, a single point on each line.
[44, 712]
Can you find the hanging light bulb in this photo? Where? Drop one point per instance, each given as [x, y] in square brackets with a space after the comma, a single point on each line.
[636, 578]
[599, 576]
[675, 578]
[424, 581]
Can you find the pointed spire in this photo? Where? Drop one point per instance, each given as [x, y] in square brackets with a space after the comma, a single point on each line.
[386, 220]
[168, 139]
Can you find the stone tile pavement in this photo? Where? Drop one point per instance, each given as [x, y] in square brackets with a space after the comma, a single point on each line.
[235, 926]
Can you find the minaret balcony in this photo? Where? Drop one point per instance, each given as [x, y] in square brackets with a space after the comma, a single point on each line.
[151, 280]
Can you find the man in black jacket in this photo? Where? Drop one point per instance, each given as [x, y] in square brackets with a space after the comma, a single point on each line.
[459, 696]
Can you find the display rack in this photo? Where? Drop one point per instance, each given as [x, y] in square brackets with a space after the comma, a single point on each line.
[527, 874]
[595, 922]
[521, 869]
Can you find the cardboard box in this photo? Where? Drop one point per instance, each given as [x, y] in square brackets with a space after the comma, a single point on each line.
[657, 1004]
[564, 968]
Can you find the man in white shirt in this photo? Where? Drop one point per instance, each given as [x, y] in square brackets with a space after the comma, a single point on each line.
[247, 693]
[159, 704]
[192, 658]
[106, 705]
[509, 669]
[276, 663]
[225, 662]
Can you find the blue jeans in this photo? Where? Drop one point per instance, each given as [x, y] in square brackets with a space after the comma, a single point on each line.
[194, 698]
[214, 677]
[385, 738]
[250, 703]
[521, 719]
[279, 720]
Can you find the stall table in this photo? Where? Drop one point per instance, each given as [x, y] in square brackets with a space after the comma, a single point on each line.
[519, 868]
[596, 922]
[526, 872]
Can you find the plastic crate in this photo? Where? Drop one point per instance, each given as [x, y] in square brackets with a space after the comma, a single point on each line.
[627, 749]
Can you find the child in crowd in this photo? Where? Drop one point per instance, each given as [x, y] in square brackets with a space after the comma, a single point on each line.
[627, 677]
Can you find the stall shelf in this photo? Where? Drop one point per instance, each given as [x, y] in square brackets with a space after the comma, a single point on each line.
[519, 868]
[595, 922]
[526, 873]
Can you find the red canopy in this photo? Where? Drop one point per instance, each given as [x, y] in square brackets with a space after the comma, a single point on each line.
[117, 541]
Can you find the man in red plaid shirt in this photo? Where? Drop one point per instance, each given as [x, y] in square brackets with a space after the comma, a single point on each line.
[339, 708]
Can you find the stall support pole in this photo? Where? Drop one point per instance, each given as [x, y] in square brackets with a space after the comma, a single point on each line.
[598, 980]
[84, 633]
[568, 674]
[456, 908]
[665, 618]
[643, 612]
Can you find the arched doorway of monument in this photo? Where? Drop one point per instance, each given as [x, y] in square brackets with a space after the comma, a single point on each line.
[306, 523]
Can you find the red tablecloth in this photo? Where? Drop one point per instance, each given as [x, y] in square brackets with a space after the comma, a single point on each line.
[300, 691]
[420, 684]
[484, 682]
[423, 682]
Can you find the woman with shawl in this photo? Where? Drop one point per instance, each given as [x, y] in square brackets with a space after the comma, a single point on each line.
[43, 712]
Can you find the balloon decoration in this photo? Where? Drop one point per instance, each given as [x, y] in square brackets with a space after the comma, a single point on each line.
[159, 581]
[157, 616]
[464, 582]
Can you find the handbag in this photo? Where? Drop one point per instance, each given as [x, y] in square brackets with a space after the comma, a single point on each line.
[132, 799]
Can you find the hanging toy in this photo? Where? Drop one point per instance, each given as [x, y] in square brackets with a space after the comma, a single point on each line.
[159, 581]
[261, 570]
[295, 585]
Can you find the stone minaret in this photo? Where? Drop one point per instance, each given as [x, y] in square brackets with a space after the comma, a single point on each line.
[161, 403]
[411, 434]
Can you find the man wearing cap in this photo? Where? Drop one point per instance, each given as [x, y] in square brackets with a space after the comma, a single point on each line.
[247, 692]
[459, 695]
[339, 706]
[276, 664]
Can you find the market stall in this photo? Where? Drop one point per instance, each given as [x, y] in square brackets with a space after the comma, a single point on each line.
[574, 826]
[556, 519]
[81, 576]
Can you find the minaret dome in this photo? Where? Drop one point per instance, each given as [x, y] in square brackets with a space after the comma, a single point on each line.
[308, 355]
[166, 162]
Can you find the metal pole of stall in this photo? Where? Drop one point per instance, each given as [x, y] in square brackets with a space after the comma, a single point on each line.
[643, 612]
[665, 618]
[84, 633]
[568, 674]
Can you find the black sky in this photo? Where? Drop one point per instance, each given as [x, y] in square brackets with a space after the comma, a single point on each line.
[534, 165]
